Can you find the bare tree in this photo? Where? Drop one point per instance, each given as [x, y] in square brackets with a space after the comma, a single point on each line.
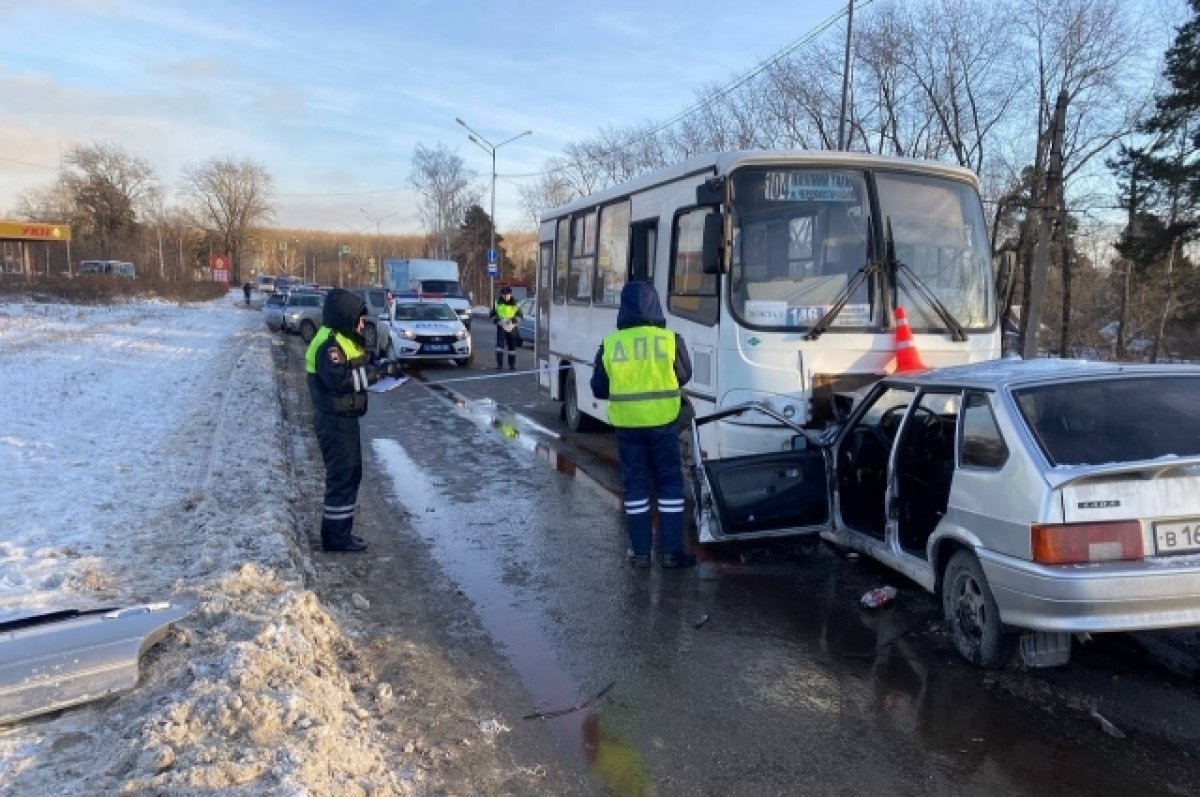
[229, 198]
[445, 186]
[549, 190]
[109, 188]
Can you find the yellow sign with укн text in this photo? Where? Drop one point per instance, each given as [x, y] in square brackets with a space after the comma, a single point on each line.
[34, 231]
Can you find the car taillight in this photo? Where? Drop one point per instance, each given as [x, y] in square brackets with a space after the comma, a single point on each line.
[1069, 543]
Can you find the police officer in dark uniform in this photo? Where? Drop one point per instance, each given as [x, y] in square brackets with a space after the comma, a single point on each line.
[639, 369]
[505, 313]
[338, 375]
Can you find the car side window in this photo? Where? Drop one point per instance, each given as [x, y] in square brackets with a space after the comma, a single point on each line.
[982, 444]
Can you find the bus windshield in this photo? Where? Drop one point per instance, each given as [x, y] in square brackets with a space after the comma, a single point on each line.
[801, 234]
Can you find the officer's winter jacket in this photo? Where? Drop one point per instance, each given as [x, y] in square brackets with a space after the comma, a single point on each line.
[640, 308]
[336, 361]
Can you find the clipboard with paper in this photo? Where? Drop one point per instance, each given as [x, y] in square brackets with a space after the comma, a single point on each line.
[387, 383]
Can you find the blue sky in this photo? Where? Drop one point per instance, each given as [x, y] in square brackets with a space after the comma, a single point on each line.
[333, 97]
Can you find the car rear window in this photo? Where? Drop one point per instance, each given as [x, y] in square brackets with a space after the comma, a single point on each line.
[1114, 420]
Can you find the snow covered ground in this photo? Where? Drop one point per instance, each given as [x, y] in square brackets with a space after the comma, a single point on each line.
[142, 460]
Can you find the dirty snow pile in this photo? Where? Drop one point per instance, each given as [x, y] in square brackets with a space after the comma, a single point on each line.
[143, 461]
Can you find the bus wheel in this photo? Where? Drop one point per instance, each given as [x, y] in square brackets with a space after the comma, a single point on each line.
[577, 420]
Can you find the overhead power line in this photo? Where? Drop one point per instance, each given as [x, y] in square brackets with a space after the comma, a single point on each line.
[707, 102]
[734, 85]
[27, 163]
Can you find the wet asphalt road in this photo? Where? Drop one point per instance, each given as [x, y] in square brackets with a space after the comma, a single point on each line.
[755, 673]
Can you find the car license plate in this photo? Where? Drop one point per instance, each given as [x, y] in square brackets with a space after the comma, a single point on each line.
[1177, 536]
[436, 347]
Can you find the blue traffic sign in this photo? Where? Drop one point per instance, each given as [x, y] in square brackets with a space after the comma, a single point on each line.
[492, 271]
[493, 257]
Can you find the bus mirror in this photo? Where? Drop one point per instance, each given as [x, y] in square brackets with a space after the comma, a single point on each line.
[713, 243]
[711, 192]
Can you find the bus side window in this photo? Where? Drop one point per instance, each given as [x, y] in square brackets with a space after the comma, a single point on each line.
[643, 241]
[562, 252]
[611, 254]
[692, 293]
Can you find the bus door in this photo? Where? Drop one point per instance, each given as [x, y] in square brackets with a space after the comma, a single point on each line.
[541, 328]
[692, 303]
[762, 495]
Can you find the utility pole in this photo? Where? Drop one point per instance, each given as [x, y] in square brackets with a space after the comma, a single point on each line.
[841, 145]
[1037, 288]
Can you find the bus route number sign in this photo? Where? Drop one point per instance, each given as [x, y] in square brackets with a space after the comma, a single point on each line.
[797, 185]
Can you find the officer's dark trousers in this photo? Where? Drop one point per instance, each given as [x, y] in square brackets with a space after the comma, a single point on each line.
[651, 456]
[341, 448]
[506, 340]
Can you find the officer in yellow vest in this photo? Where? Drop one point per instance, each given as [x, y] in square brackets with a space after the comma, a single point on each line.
[639, 369]
[505, 313]
[338, 376]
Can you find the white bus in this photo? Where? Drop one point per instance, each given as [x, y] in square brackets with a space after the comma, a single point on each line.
[781, 270]
[120, 268]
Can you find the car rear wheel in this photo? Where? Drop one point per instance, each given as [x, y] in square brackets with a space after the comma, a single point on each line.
[972, 616]
[371, 338]
[577, 420]
[307, 330]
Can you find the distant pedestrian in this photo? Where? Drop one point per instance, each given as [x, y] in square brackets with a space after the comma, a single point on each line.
[246, 287]
[338, 376]
[639, 369]
[505, 313]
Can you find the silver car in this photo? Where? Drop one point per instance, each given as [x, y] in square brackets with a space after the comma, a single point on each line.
[527, 323]
[1040, 499]
[272, 310]
[427, 330]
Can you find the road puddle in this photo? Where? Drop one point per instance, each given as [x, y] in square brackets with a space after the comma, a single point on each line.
[482, 578]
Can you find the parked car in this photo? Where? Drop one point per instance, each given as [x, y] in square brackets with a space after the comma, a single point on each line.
[527, 325]
[1040, 499]
[273, 311]
[302, 313]
[427, 330]
[265, 283]
[377, 317]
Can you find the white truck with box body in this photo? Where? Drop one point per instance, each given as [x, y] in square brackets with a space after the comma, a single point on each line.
[428, 279]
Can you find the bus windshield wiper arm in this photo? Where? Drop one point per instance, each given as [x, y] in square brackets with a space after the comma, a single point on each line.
[870, 268]
[920, 289]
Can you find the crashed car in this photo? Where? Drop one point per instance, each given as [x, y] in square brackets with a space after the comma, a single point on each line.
[1039, 499]
[422, 329]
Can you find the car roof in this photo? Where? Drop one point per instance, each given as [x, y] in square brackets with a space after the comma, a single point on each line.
[1013, 372]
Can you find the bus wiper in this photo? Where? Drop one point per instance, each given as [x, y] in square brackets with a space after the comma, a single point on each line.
[919, 288]
[869, 269]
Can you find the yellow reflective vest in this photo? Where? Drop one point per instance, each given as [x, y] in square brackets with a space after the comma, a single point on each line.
[643, 390]
[352, 350]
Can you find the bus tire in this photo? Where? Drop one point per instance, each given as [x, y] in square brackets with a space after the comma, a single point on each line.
[577, 420]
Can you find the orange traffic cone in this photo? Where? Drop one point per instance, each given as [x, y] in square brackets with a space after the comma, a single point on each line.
[907, 358]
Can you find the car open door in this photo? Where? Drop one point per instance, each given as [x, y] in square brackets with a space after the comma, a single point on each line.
[762, 495]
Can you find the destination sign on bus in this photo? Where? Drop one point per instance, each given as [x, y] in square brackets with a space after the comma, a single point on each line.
[781, 314]
[797, 185]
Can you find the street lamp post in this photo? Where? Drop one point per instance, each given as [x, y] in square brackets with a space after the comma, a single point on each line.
[491, 148]
[378, 235]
